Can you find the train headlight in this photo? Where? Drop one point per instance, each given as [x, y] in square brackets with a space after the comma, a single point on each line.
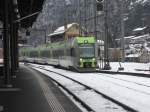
[93, 59]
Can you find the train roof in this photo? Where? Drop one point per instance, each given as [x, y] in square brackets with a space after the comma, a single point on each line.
[62, 44]
[85, 40]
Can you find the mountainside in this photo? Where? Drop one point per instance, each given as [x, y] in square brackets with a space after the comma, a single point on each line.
[136, 14]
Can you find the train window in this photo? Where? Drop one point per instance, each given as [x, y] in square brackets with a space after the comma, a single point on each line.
[54, 54]
[23, 53]
[58, 53]
[45, 53]
[68, 52]
[87, 51]
[72, 52]
[34, 54]
[61, 52]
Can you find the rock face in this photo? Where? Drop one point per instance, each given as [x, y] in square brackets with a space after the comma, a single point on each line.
[56, 13]
[138, 15]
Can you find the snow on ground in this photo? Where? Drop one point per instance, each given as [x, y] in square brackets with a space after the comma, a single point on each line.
[131, 67]
[130, 90]
[95, 101]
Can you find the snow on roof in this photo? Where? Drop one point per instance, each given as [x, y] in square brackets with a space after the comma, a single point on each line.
[133, 55]
[141, 1]
[24, 45]
[61, 29]
[117, 39]
[128, 37]
[141, 36]
[147, 48]
[139, 29]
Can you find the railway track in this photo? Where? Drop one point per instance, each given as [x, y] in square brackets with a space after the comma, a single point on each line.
[112, 72]
[113, 103]
[125, 73]
[132, 85]
[125, 80]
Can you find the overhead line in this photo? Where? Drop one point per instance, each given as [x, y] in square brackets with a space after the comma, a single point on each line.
[26, 17]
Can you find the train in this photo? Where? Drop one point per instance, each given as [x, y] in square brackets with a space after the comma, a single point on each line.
[78, 53]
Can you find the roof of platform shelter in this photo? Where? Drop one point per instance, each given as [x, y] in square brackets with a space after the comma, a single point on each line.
[61, 29]
[25, 8]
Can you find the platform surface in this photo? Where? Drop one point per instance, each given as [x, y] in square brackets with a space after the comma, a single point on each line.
[33, 92]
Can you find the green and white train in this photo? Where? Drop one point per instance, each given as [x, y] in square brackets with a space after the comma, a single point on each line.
[77, 53]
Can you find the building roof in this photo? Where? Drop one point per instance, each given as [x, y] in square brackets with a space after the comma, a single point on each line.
[61, 30]
[25, 7]
[128, 37]
[133, 55]
[141, 36]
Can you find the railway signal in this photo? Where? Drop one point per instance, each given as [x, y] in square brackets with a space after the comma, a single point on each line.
[27, 33]
[99, 5]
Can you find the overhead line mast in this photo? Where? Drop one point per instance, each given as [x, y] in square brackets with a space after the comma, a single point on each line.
[106, 58]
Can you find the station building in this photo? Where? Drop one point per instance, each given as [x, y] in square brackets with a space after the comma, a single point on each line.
[62, 33]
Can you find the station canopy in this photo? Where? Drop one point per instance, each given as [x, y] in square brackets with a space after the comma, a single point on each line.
[25, 8]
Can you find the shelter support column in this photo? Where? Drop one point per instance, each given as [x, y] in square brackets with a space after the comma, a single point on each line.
[6, 45]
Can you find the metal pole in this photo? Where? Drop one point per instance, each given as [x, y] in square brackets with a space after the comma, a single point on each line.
[122, 32]
[79, 8]
[95, 19]
[16, 46]
[65, 20]
[106, 60]
[45, 36]
[85, 22]
[26, 17]
[6, 45]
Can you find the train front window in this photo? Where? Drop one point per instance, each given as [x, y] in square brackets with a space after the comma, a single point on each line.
[86, 51]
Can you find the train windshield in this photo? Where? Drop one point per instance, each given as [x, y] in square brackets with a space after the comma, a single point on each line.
[87, 51]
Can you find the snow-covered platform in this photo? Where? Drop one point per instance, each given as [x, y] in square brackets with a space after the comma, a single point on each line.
[128, 68]
[33, 92]
[131, 67]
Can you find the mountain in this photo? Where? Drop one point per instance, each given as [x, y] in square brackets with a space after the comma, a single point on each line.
[138, 14]
[55, 12]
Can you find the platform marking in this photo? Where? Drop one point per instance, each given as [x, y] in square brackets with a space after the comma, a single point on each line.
[1, 108]
[49, 95]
